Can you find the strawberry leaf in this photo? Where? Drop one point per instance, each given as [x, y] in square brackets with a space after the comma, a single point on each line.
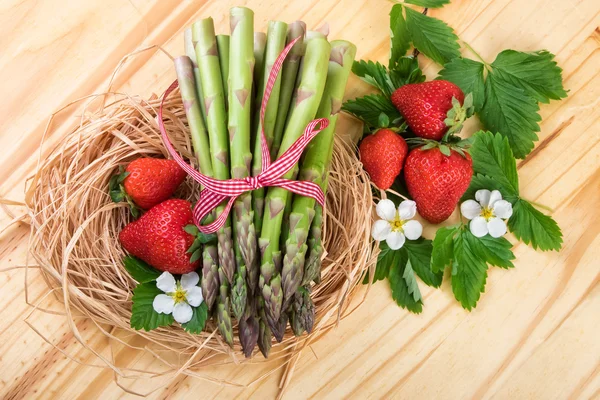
[198, 321]
[495, 251]
[143, 315]
[428, 3]
[419, 255]
[443, 248]
[469, 271]
[467, 75]
[492, 156]
[374, 74]
[509, 111]
[401, 293]
[139, 270]
[399, 36]
[411, 282]
[432, 37]
[370, 107]
[386, 258]
[536, 73]
[406, 70]
[534, 228]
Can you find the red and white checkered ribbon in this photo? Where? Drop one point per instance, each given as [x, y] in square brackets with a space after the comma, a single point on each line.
[216, 191]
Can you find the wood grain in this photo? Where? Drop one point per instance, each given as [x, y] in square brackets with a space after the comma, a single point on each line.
[534, 335]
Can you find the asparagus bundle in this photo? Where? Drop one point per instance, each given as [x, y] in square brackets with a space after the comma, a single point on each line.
[314, 166]
[222, 80]
[308, 97]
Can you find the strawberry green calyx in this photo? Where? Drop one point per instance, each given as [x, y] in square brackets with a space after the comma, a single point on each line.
[458, 114]
[447, 145]
[118, 194]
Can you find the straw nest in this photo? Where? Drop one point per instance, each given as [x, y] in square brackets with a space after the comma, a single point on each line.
[75, 228]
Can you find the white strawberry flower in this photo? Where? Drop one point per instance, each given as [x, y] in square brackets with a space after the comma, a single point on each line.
[487, 214]
[396, 225]
[179, 297]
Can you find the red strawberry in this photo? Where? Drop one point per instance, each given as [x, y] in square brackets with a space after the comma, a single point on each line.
[382, 155]
[147, 182]
[158, 237]
[436, 182]
[426, 106]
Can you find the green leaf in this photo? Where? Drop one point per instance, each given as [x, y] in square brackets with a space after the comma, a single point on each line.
[386, 259]
[536, 73]
[469, 272]
[406, 70]
[196, 255]
[509, 111]
[399, 37]
[492, 156]
[432, 37]
[467, 75]
[419, 255]
[445, 150]
[143, 315]
[400, 290]
[384, 120]
[428, 3]
[199, 317]
[139, 270]
[374, 74]
[191, 229]
[534, 228]
[369, 108]
[443, 248]
[411, 282]
[494, 251]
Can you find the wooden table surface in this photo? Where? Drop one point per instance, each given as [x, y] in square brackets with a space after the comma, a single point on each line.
[534, 335]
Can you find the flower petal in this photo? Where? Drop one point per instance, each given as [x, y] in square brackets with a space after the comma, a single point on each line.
[470, 209]
[503, 209]
[194, 296]
[479, 227]
[494, 197]
[412, 229]
[381, 230]
[483, 197]
[163, 304]
[386, 209]
[497, 227]
[182, 312]
[189, 280]
[395, 240]
[407, 210]
[166, 282]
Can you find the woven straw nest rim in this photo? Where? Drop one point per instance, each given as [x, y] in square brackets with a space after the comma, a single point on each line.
[74, 230]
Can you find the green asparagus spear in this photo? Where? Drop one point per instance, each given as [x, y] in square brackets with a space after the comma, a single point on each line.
[190, 51]
[241, 63]
[276, 35]
[312, 265]
[264, 332]
[314, 166]
[249, 328]
[260, 46]
[203, 34]
[310, 91]
[223, 310]
[239, 289]
[289, 71]
[302, 312]
[200, 141]
[223, 49]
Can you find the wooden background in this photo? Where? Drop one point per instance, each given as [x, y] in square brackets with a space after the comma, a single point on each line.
[536, 331]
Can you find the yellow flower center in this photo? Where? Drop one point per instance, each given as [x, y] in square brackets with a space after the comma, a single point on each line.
[179, 294]
[396, 224]
[487, 213]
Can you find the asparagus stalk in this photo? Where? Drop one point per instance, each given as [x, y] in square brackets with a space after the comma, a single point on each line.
[264, 332]
[289, 72]
[312, 265]
[190, 51]
[278, 327]
[302, 312]
[223, 49]
[276, 35]
[241, 64]
[249, 328]
[260, 46]
[187, 87]
[310, 91]
[223, 307]
[239, 290]
[203, 34]
[314, 166]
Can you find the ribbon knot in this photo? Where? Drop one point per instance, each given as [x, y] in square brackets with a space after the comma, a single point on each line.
[217, 191]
